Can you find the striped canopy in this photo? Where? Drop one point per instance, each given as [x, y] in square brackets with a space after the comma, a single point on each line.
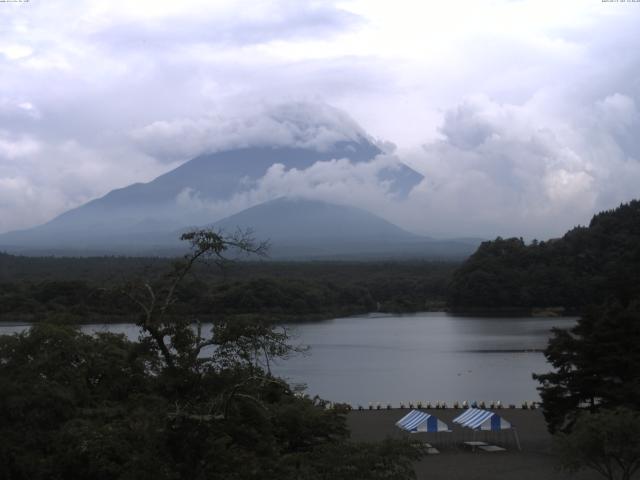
[416, 421]
[477, 419]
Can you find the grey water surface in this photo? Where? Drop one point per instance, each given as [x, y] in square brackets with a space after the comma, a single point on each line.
[424, 357]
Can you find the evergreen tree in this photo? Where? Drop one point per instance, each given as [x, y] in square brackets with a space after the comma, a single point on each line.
[597, 365]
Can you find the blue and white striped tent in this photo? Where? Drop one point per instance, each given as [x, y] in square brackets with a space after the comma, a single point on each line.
[478, 419]
[416, 421]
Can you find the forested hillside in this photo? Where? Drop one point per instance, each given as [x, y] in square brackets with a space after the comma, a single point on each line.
[91, 289]
[586, 266]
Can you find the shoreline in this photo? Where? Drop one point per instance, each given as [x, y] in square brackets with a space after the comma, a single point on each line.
[303, 318]
[454, 462]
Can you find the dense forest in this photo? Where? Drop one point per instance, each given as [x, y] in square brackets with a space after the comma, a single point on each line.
[91, 289]
[177, 403]
[586, 266]
[105, 407]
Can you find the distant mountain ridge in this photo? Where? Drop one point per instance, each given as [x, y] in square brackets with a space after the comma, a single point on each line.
[299, 228]
[147, 218]
[296, 229]
[217, 176]
[313, 221]
[153, 207]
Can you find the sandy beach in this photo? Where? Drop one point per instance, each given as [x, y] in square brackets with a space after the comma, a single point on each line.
[455, 461]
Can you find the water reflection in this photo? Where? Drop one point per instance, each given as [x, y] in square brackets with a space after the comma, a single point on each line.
[394, 358]
[427, 357]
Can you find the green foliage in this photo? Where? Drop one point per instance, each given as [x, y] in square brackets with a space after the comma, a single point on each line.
[596, 365]
[56, 382]
[101, 407]
[587, 265]
[81, 290]
[607, 442]
[390, 460]
[179, 403]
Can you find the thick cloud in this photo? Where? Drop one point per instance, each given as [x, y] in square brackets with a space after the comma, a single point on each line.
[242, 23]
[527, 111]
[33, 191]
[515, 170]
[498, 169]
[78, 78]
[337, 181]
[302, 125]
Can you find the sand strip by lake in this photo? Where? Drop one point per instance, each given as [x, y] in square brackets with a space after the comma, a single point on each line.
[536, 461]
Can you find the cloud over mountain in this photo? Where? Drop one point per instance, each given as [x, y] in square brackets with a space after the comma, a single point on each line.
[316, 126]
[371, 185]
[528, 110]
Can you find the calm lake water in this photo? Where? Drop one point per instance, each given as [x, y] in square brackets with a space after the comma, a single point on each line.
[418, 357]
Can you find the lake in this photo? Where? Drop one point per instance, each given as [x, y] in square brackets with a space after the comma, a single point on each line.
[409, 358]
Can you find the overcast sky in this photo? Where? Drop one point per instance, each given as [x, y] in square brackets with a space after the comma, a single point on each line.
[523, 115]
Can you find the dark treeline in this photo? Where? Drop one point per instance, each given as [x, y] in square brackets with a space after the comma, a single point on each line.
[586, 266]
[168, 406]
[102, 407]
[591, 396]
[90, 289]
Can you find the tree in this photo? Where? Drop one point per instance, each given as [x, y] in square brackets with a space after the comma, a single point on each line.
[388, 460]
[252, 342]
[176, 404]
[98, 407]
[191, 357]
[587, 265]
[607, 442]
[173, 336]
[69, 401]
[597, 365]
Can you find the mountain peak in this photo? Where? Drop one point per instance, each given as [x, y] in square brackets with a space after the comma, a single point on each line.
[287, 218]
[296, 137]
[298, 125]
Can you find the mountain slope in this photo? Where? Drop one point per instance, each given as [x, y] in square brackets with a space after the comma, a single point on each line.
[286, 219]
[298, 228]
[142, 209]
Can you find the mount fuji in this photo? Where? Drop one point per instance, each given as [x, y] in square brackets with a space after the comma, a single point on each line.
[147, 218]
